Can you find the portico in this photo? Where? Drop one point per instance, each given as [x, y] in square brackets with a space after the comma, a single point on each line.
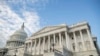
[44, 43]
[76, 38]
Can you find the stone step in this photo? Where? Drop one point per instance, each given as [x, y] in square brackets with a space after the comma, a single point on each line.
[38, 55]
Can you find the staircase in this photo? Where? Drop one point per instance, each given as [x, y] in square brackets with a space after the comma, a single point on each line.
[38, 55]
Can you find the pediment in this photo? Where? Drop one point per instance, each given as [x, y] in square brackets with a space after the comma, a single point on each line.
[50, 28]
[47, 29]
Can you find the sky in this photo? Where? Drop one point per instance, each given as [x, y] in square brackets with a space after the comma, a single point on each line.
[37, 14]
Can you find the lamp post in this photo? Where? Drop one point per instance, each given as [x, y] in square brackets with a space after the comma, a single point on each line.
[15, 52]
[52, 45]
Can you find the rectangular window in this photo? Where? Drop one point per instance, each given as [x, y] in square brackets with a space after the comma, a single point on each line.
[73, 46]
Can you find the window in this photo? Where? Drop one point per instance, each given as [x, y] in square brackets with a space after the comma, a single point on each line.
[72, 38]
[73, 46]
[32, 44]
[80, 46]
[88, 45]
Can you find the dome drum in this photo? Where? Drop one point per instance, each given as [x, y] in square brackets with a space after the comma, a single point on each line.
[17, 39]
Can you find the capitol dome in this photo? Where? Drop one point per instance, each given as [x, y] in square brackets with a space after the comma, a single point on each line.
[17, 38]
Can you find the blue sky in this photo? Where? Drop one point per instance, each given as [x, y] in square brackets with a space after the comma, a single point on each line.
[69, 12]
[40, 13]
[73, 11]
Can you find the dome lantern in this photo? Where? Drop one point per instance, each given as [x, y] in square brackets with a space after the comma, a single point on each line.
[22, 27]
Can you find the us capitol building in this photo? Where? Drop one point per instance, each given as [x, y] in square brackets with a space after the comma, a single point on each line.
[59, 40]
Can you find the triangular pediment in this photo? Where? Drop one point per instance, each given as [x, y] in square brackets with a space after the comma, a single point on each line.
[49, 28]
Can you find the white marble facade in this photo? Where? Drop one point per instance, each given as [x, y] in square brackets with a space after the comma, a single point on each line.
[76, 38]
[59, 40]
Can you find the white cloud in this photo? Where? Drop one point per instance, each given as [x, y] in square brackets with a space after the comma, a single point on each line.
[31, 19]
[26, 4]
[11, 21]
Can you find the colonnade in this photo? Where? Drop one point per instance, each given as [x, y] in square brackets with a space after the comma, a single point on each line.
[14, 43]
[82, 41]
[44, 43]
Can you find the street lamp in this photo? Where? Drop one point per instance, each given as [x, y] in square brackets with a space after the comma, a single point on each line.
[52, 45]
[15, 52]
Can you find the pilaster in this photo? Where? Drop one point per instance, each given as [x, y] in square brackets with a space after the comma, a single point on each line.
[83, 43]
[91, 40]
[60, 39]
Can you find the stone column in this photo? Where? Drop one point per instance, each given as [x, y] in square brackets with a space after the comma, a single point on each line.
[25, 47]
[76, 46]
[35, 46]
[39, 46]
[83, 43]
[17, 43]
[13, 44]
[48, 43]
[67, 40]
[31, 47]
[91, 40]
[54, 38]
[60, 40]
[43, 44]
